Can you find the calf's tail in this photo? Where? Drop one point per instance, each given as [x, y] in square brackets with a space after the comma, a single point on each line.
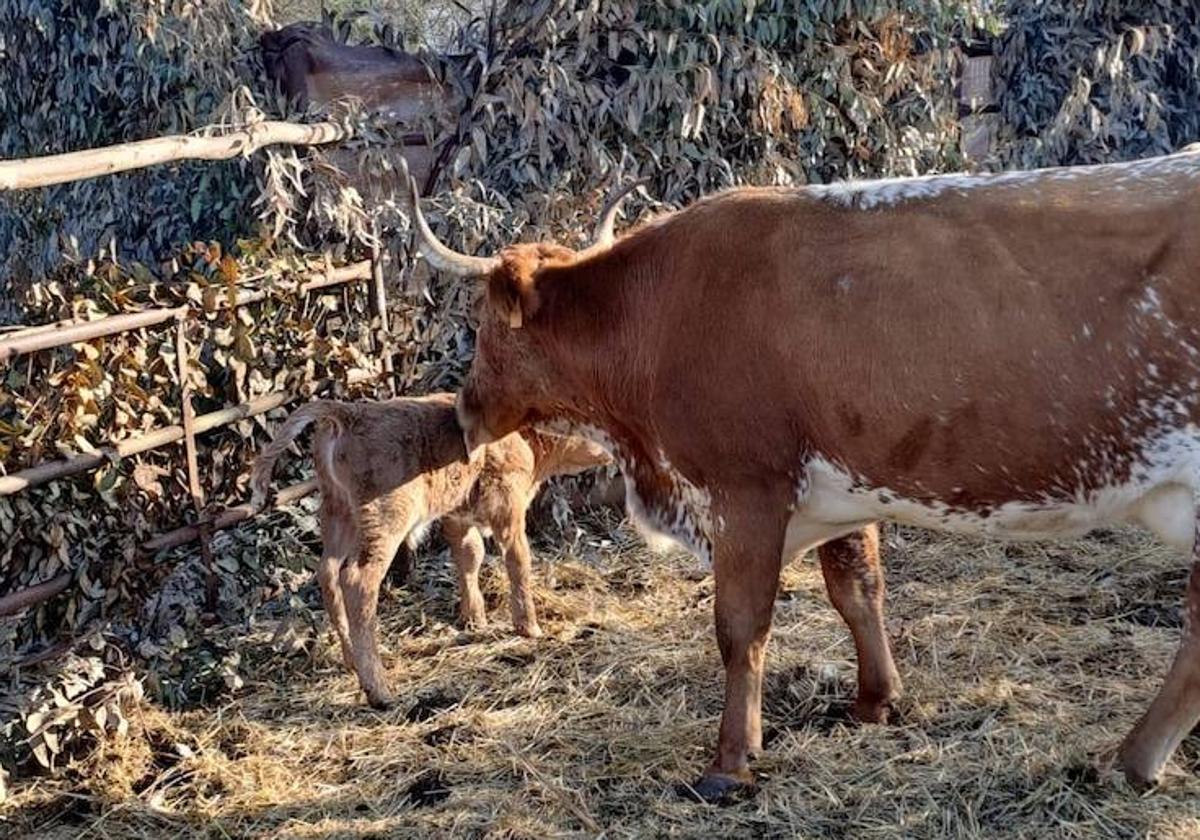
[319, 411]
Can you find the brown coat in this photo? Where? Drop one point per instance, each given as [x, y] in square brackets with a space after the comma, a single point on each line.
[389, 469]
[1015, 355]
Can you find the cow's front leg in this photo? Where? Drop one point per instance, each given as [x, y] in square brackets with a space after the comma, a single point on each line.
[1176, 709]
[746, 563]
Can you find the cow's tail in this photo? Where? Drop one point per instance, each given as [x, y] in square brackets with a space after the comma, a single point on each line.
[319, 411]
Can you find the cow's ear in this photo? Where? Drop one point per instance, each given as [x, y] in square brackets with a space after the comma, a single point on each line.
[512, 290]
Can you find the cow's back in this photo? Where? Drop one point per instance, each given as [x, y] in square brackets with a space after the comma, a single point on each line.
[973, 343]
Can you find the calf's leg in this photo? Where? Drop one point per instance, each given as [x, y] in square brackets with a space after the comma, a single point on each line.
[517, 561]
[855, 583]
[466, 547]
[1176, 709]
[339, 542]
[360, 579]
[328, 576]
[402, 565]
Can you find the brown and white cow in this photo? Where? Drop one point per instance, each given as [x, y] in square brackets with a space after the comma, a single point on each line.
[1013, 355]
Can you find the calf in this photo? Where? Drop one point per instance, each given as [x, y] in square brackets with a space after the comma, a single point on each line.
[386, 471]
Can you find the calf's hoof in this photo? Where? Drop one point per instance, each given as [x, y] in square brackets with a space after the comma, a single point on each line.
[529, 630]
[720, 788]
[471, 621]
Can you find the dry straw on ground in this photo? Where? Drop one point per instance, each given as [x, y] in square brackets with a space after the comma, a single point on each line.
[1023, 667]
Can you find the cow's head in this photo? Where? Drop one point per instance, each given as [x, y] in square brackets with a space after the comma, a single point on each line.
[514, 375]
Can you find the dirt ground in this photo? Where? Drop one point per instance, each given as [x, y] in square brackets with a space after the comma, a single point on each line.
[1024, 665]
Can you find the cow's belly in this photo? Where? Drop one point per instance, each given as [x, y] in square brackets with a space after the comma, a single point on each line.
[1163, 499]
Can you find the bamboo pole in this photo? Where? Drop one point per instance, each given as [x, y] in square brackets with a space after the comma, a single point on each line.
[188, 415]
[47, 336]
[343, 274]
[381, 334]
[92, 163]
[43, 473]
[56, 335]
[41, 328]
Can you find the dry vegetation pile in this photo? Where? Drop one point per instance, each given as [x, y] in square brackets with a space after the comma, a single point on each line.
[560, 98]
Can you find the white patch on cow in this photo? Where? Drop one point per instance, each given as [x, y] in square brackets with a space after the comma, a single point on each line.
[1159, 174]
[1150, 302]
[682, 520]
[1161, 494]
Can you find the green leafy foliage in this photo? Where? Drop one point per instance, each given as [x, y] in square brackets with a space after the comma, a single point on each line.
[78, 75]
[1096, 81]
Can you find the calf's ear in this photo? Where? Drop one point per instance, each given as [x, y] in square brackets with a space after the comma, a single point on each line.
[512, 290]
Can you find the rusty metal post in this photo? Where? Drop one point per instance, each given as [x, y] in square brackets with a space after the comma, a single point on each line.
[381, 332]
[188, 415]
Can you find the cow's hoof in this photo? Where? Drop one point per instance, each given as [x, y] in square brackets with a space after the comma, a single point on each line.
[1143, 768]
[871, 711]
[381, 700]
[719, 789]
[1139, 777]
[1140, 782]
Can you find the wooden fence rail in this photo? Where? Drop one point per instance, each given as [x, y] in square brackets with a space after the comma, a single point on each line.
[107, 160]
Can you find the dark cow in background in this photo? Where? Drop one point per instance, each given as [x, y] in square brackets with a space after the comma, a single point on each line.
[1013, 355]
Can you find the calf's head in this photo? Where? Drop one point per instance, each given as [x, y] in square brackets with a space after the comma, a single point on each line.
[514, 376]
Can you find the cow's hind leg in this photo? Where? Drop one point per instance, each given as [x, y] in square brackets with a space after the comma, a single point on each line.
[855, 583]
[1176, 709]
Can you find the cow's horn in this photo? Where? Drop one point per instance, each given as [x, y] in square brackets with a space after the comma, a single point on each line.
[436, 254]
[608, 216]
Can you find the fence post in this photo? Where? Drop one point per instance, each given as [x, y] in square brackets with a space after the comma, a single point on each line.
[382, 333]
[188, 415]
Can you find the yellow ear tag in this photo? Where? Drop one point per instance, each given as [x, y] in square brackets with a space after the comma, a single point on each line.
[514, 318]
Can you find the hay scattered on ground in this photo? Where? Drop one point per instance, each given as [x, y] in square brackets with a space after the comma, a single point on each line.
[1024, 665]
